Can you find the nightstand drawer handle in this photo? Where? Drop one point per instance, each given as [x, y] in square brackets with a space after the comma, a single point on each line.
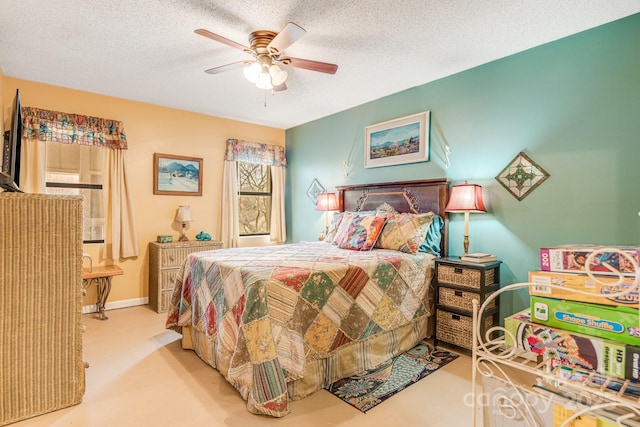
[457, 293]
[457, 270]
[455, 316]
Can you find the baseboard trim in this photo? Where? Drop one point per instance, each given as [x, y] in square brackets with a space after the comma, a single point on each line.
[116, 304]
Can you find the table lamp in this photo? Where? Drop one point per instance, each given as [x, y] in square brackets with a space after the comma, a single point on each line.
[326, 202]
[183, 215]
[465, 198]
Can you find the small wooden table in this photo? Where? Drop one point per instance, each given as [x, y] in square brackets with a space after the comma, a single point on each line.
[101, 276]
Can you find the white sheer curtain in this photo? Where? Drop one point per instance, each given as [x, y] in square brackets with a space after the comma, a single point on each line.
[39, 126]
[33, 170]
[121, 237]
[252, 152]
[230, 215]
[278, 225]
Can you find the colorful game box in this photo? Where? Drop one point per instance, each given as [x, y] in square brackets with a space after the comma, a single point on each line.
[631, 390]
[614, 323]
[572, 259]
[600, 288]
[564, 348]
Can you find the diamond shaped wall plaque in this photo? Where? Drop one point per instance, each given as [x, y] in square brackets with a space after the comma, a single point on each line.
[521, 176]
[314, 189]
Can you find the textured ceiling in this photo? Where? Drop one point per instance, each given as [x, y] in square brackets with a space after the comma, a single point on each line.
[147, 51]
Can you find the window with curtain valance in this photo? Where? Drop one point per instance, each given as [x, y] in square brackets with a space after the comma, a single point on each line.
[66, 128]
[41, 127]
[239, 151]
[255, 152]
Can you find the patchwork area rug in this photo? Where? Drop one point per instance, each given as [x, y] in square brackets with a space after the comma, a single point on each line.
[370, 388]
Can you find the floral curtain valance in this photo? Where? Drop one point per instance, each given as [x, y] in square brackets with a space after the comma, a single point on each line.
[45, 125]
[255, 152]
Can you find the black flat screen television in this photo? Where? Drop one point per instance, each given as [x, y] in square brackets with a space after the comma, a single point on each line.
[10, 173]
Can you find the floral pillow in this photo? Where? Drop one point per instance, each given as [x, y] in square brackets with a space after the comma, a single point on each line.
[405, 232]
[362, 232]
[386, 208]
[346, 218]
[336, 219]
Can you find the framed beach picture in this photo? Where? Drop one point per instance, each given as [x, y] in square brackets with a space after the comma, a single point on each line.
[397, 142]
[177, 175]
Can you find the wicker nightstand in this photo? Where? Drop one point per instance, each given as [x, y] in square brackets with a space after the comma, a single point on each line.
[165, 260]
[458, 283]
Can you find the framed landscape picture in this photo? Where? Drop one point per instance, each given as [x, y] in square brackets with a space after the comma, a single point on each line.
[177, 175]
[397, 142]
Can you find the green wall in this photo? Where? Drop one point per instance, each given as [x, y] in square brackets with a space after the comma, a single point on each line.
[573, 106]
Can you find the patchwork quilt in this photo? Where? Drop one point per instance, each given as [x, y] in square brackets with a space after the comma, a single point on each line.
[269, 309]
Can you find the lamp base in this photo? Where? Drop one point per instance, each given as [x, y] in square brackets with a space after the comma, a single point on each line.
[183, 237]
[466, 244]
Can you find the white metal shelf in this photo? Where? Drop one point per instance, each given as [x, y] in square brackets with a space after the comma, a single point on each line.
[526, 374]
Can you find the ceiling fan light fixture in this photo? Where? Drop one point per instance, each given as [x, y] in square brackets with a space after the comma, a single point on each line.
[252, 72]
[266, 49]
[264, 81]
[278, 75]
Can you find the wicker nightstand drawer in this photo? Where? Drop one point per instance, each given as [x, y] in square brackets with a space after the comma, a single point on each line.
[458, 284]
[466, 277]
[167, 277]
[165, 260]
[457, 329]
[460, 300]
[164, 301]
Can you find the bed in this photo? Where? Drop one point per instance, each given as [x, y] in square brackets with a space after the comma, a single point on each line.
[282, 322]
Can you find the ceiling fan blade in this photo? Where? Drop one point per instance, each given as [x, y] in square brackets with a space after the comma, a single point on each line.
[280, 87]
[220, 39]
[307, 64]
[285, 38]
[223, 68]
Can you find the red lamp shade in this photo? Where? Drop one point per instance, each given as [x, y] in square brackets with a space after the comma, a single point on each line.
[465, 198]
[327, 202]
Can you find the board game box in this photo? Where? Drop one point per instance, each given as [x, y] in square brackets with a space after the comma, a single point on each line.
[618, 323]
[601, 289]
[575, 350]
[572, 259]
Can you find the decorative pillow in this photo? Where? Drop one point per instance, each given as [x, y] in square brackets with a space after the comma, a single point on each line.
[342, 227]
[431, 243]
[405, 232]
[362, 232]
[336, 219]
[386, 208]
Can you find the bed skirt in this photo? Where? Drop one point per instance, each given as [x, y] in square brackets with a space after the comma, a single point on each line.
[346, 361]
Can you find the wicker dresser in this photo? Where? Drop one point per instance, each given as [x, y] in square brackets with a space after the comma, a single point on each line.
[165, 260]
[458, 283]
[41, 367]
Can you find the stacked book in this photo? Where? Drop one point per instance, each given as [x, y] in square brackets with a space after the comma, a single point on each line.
[478, 257]
[581, 322]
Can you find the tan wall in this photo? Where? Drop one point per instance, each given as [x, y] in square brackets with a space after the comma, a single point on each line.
[151, 129]
[5, 114]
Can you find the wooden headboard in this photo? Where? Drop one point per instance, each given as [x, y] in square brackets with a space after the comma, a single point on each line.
[430, 195]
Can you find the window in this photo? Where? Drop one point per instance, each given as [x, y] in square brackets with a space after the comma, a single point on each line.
[75, 169]
[254, 190]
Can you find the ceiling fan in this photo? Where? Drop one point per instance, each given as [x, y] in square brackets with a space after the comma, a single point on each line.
[267, 50]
